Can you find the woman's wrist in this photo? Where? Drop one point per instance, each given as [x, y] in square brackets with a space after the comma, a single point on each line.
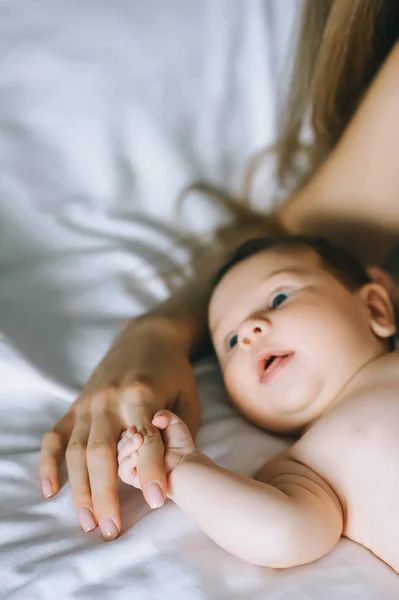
[155, 326]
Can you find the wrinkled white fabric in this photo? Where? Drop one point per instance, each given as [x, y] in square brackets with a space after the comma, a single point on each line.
[107, 109]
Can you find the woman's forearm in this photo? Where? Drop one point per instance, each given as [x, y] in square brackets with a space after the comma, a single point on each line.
[354, 197]
[185, 313]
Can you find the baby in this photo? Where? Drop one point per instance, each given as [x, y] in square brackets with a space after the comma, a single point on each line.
[305, 344]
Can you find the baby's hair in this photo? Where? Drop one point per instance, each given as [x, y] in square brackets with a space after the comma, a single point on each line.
[340, 263]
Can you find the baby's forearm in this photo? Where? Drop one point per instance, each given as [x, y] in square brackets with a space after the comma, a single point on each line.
[250, 519]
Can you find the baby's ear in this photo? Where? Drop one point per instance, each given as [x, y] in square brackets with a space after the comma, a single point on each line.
[381, 312]
[381, 276]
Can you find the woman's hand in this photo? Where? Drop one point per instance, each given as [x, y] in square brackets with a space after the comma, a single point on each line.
[145, 370]
[178, 442]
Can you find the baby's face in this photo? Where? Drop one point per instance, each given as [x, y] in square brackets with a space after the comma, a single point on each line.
[288, 336]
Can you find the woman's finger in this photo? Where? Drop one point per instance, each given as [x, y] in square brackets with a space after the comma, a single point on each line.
[78, 473]
[151, 467]
[103, 468]
[138, 406]
[52, 452]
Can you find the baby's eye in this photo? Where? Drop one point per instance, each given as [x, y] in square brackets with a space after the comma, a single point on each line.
[233, 341]
[278, 299]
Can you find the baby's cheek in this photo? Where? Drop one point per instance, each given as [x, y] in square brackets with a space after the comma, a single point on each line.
[247, 401]
[238, 378]
[240, 394]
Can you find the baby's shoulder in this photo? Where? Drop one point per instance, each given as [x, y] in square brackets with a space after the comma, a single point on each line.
[360, 423]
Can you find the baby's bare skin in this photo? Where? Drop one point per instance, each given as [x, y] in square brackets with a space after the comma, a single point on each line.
[299, 351]
[348, 458]
[355, 449]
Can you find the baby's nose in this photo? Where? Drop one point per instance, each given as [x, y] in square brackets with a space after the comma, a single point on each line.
[251, 331]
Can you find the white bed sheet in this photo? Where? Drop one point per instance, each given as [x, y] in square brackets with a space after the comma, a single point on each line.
[106, 110]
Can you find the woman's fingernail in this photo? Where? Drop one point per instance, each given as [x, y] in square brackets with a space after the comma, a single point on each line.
[154, 495]
[47, 488]
[108, 529]
[86, 519]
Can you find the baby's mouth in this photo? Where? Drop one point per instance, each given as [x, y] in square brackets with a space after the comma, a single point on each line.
[270, 364]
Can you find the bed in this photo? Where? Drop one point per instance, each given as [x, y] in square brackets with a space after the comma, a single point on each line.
[108, 109]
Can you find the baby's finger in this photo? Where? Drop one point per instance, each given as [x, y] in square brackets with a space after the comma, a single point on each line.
[131, 431]
[175, 432]
[164, 418]
[128, 469]
[131, 445]
[126, 435]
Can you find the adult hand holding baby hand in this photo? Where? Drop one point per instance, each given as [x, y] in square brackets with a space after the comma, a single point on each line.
[145, 370]
[178, 442]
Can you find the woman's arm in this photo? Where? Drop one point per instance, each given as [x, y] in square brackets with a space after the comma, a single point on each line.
[186, 311]
[146, 369]
[354, 197]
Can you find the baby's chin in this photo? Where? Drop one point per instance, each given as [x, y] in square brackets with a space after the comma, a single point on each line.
[284, 427]
[282, 424]
[301, 409]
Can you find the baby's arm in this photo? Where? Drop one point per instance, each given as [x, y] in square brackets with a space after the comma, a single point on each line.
[292, 519]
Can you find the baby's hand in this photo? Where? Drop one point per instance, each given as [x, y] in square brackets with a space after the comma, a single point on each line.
[179, 446]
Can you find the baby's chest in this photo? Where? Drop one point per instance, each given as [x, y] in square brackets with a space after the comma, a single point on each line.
[365, 472]
[369, 484]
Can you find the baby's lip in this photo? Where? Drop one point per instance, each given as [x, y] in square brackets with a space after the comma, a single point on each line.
[266, 363]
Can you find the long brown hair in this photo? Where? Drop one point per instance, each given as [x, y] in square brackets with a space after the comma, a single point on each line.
[341, 45]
